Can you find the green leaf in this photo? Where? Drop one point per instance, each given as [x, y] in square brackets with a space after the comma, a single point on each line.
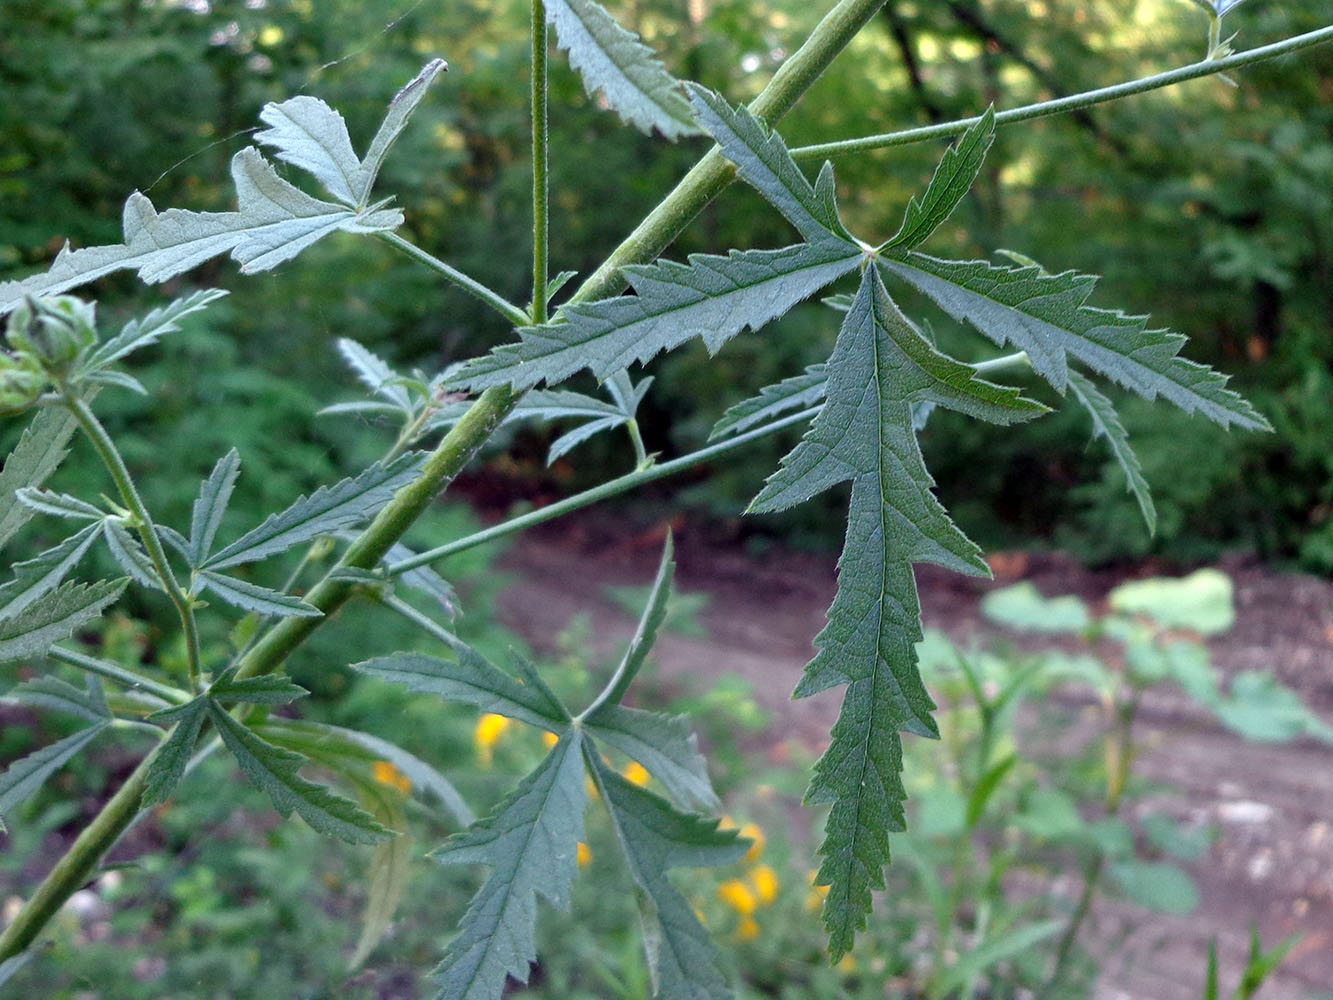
[665, 745]
[375, 374]
[326, 511]
[39, 451]
[252, 597]
[1156, 885]
[1203, 602]
[1045, 315]
[472, 680]
[211, 505]
[530, 841]
[712, 297]
[274, 770]
[645, 635]
[117, 378]
[129, 554]
[148, 330]
[167, 765]
[321, 740]
[307, 133]
[1023, 607]
[33, 631]
[613, 60]
[390, 866]
[402, 106]
[275, 221]
[1260, 708]
[53, 693]
[792, 393]
[266, 689]
[1106, 423]
[953, 178]
[58, 504]
[994, 949]
[656, 838]
[25, 776]
[762, 160]
[10, 966]
[36, 577]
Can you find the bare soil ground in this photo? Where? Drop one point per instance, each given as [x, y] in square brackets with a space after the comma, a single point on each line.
[1273, 805]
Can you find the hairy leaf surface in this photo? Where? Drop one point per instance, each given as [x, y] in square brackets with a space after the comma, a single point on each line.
[129, 554]
[1045, 315]
[167, 765]
[953, 178]
[35, 629]
[58, 504]
[712, 297]
[38, 576]
[326, 511]
[612, 59]
[655, 838]
[40, 450]
[531, 843]
[1106, 423]
[307, 133]
[211, 504]
[792, 393]
[149, 330]
[665, 745]
[252, 597]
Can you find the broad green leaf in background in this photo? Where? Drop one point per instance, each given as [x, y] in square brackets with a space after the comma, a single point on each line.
[275, 770]
[953, 178]
[655, 838]
[1156, 885]
[326, 511]
[1203, 602]
[40, 450]
[792, 393]
[613, 60]
[1046, 316]
[1023, 607]
[1106, 423]
[34, 630]
[711, 297]
[530, 841]
[1260, 708]
[879, 366]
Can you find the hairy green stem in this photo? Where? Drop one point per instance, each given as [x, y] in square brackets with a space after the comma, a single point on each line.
[493, 299]
[119, 674]
[1073, 102]
[603, 491]
[129, 493]
[424, 622]
[540, 163]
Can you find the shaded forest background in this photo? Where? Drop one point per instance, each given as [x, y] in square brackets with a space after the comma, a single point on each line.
[1208, 205]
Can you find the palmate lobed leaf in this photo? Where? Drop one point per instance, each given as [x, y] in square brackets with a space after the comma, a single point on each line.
[147, 330]
[530, 841]
[613, 60]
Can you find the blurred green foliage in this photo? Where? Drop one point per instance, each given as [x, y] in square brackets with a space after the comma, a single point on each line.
[1207, 205]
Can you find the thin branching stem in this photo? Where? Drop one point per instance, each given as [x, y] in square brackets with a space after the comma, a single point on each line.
[540, 163]
[1206, 67]
[121, 675]
[129, 493]
[451, 274]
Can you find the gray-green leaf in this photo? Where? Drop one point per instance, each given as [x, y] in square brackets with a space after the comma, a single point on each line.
[530, 842]
[33, 631]
[792, 393]
[665, 745]
[167, 765]
[26, 775]
[211, 504]
[40, 449]
[613, 59]
[252, 597]
[36, 577]
[952, 180]
[139, 333]
[53, 693]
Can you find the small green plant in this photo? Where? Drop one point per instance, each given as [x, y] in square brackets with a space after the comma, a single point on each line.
[862, 410]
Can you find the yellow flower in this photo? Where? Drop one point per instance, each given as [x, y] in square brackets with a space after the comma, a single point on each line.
[386, 774]
[637, 774]
[549, 740]
[765, 882]
[748, 929]
[847, 965]
[584, 855]
[738, 896]
[489, 728]
[817, 893]
[752, 831]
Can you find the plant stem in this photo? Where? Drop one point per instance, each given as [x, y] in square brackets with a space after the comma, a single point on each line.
[1206, 67]
[493, 299]
[424, 622]
[540, 162]
[129, 493]
[603, 491]
[119, 674]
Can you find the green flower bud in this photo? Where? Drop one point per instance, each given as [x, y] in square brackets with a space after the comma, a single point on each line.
[21, 382]
[53, 331]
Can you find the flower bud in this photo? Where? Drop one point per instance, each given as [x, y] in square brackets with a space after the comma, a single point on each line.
[21, 382]
[53, 331]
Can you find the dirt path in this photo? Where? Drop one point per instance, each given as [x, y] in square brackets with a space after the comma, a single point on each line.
[1272, 806]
